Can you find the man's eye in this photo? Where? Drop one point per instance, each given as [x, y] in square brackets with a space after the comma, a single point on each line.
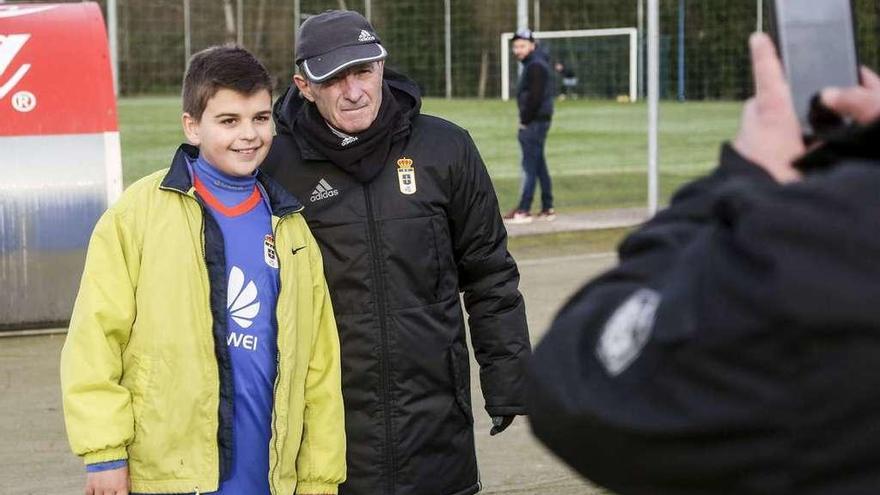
[262, 118]
[227, 121]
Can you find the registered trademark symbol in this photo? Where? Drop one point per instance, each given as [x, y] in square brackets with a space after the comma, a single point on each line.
[24, 101]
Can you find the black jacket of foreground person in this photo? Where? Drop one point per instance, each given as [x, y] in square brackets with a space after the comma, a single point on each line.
[395, 264]
[736, 347]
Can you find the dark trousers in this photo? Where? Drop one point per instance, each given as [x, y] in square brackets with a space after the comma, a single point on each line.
[534, 165]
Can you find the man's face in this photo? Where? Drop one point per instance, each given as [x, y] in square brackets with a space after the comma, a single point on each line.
[350, 100]
[234, 132]
[522, 49]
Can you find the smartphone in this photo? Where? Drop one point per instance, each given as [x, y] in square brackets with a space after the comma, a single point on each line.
[817, 42]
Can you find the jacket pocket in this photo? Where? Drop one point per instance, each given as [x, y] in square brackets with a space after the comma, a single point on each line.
[438, 265]
[459, 368]
[447, 269]
[409, 261]
[137, 379]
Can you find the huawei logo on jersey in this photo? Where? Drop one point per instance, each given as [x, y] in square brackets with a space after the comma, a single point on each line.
[241, 299]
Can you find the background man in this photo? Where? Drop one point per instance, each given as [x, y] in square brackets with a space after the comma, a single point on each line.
[406, 216]
[568, 81]
[534, 96]
[734, 348]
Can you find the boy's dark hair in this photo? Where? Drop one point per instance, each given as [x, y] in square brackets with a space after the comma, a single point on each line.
[221, 67]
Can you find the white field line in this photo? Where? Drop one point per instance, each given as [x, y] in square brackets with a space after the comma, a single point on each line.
[682, 169]
[566, 259]
[32, 332]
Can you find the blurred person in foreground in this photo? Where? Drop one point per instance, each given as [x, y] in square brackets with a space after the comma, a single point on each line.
[202, 355]
[734, 348]
[534, 97]
[407, 218]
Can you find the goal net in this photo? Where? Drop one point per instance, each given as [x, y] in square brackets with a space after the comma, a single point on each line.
[589, 63]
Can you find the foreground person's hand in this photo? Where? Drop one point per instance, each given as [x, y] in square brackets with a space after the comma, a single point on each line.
[861, 103]
[770, 135]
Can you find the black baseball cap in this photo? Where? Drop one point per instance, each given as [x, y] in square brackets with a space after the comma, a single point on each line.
[334, 40]
[524, 34]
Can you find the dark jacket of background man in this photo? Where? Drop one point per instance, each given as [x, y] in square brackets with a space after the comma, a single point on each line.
[535, 91]
[735, 348]
[395, 264]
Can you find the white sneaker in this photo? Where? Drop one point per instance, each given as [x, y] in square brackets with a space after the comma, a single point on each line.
[547, 215]
[517, 216]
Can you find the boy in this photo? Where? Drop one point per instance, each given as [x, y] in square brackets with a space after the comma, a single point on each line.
[202, 355]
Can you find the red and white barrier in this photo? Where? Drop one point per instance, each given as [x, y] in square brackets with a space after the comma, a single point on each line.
[60, 161]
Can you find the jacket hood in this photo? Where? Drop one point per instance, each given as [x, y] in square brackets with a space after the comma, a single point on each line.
[288, 106]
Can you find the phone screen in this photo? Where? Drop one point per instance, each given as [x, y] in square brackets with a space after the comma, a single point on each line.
[816, 40]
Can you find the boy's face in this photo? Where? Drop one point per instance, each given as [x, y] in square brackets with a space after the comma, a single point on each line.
[235, 131]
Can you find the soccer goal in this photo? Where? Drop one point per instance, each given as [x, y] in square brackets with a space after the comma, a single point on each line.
[601, 62]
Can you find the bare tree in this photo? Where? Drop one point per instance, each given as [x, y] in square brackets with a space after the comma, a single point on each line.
[259, 35]
[230, 21]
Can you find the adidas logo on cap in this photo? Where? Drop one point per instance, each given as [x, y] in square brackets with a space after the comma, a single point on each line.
[323, 191]
[366, 36]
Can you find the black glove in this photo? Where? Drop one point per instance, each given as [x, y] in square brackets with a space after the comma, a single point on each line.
[500, 423]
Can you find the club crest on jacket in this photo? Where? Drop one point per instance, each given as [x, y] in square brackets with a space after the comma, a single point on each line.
[627, 331]
[406, 175]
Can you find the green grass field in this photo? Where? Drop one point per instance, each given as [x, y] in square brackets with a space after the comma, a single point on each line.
[597, 151]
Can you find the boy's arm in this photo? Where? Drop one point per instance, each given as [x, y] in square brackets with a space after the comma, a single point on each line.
[321, 460]
[97, 409]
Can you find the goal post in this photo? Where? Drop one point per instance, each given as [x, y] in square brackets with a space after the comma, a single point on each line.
[630, 32]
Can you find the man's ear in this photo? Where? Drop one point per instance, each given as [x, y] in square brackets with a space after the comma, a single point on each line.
[191, 129]
[302, 84]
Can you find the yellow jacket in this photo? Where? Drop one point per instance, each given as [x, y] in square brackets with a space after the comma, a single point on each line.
[140, 375]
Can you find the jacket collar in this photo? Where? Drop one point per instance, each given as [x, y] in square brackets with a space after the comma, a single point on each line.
[178, 178]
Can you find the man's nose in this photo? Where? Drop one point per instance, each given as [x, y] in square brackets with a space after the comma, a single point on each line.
[353, 88]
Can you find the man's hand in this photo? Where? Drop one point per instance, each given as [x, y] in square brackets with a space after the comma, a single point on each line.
[861, 103]
[770, 135]
[111, 482]
[500, 423]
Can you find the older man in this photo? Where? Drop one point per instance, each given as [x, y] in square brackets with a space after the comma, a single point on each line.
[407, 218]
